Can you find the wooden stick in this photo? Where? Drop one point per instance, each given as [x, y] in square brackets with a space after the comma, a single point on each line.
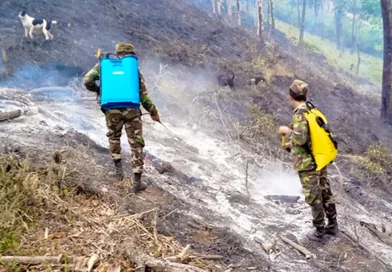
[144, 260]
[9, 115]
[180, 257]
[206, 257]
[34, 259]
[268, 247]
[4, 55]
[247, 179]
[301, 249]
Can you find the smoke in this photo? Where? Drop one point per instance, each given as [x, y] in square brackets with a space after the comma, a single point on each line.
[30, 76]
[2, 67]
[274, 179]
[177, 89]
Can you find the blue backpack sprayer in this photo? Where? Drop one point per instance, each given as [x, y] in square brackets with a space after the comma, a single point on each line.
[119, 86]
[119, 81]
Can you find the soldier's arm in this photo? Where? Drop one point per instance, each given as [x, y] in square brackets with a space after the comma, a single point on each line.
[300, 133]
[90, 78]
[145, 98]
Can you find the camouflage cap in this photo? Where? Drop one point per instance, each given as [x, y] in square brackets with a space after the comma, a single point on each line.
[299, 87]
[124, 48]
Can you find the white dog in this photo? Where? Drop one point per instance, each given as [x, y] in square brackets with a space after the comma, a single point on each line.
[30, 24]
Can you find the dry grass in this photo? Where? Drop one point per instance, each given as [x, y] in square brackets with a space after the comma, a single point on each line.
[44, 213]
[21, 196]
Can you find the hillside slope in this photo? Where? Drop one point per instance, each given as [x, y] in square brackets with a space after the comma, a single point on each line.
[225, 137]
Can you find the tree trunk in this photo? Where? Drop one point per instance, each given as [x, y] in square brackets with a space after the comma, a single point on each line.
[322, 19]
[268, 26]
[299, 14]
[338, 24]
[229, 10]
[353, 41]
[272, 15]
[356, 35]
[302, 30]
[386, 105]
[316, 4]
[219, 7]
[238, 13]
[256, 15]
[213, 6]
[359, 58]
[261, 21]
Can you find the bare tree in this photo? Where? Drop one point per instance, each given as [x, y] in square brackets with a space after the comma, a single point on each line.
[238, 13]
[213, 6]
[339, 12]
[299, 13]
[229, 10]
[272, 15]
[219, 7]
[256, 15]
[260, 30]
[302, 28]
[386, 97]
[268, 21]
[354, 25]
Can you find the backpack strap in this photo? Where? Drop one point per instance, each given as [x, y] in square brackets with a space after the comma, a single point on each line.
[322, 124]
[310, 105]
[107, 55]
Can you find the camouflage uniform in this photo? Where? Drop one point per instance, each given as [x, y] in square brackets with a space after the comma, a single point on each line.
[315, 184]
[130, 118]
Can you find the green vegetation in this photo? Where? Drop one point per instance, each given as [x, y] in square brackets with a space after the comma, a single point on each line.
[370, 68]
[320, 20]
[377, 160]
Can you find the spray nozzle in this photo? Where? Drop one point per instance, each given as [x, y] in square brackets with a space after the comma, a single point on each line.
[99, 53]
[283, 140]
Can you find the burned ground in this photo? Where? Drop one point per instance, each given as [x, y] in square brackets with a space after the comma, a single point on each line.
[197, 47]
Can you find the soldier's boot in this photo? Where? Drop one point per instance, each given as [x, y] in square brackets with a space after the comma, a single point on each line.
[332, 228]
[118, 172]
[316, 235]
[138, 185]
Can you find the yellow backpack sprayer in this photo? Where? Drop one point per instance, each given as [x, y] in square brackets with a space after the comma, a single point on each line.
[324, 146]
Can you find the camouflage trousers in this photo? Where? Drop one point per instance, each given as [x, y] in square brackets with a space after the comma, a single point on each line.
[116, 119]
[318, 195]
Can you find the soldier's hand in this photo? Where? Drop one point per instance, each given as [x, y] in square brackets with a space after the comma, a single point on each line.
[155, 117]
[287, 146]
[283, 130]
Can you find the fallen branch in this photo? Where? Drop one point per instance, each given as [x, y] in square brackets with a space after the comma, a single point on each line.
[9, 115]
[268, 247]
[247, 179]
[180, 257]
[200, 225]
[34, 259]
[158, 265]
[298, 247]
[205, 257]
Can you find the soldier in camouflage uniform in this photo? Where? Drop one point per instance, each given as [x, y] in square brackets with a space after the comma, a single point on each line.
[315, 185]
[130, 118]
